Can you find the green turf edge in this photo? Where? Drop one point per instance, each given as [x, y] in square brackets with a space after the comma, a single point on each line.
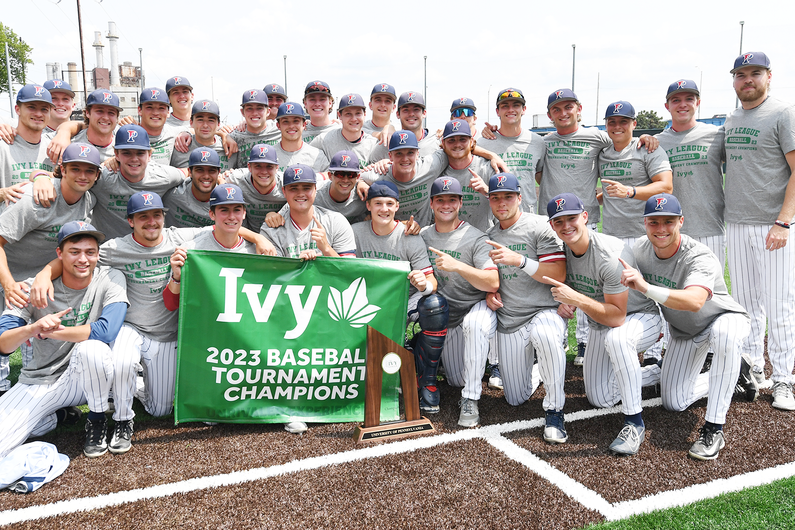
[771, 506]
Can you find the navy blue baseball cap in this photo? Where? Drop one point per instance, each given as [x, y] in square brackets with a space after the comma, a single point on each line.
[751, 59]
[382, 188]
[344, 161]
[205, 106]
[177, 81]
[132, 137]
[298, 173]
[384, 88]
[663, 204]
[79, 228]
[446, 186]
[462, 103]
[254, 95]
[456, 128]
[204, 156]
[80, 152]
[351, 100]
[291, 108]
[409, 98]
[143, 201]
[683, 85]
[263, 154]
[103, 97]
[403, 140]
[226, 194]
[317, 86]
[56, 85]
[154, 94]
[504, 182]
[30, 93]
[564, 94]
[620, 108]
[564, 204]
[275, 90]
[510, 94]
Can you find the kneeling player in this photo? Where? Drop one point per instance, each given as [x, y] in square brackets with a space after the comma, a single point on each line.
[700, 313]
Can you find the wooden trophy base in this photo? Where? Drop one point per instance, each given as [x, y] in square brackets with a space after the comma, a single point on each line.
[393, 431]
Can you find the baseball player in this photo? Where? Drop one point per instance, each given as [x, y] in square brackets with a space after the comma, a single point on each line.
[254, 108]
[621, 322]
[340, 194]
[384, 238]
[319, 104]
[465, 273]
[153, 107]
[188, 205]
[277, 96]
[204, 120]
[527, 254]
[464, 109]
[350, 137]
[180, 97]
[382, 104]
[292, 149]
[72, 362]
[685, 278]
[101, 118]
[411, 112]
[261, 185]
[28, 230]
[760, 206]
[63, 103]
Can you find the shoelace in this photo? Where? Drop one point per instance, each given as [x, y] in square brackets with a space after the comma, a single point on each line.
[629, 433]
[468, 406]
[124, 430]
[705, 436]
[780, 390]
[96, 433]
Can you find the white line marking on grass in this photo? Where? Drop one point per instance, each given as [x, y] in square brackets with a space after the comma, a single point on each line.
[698, 492]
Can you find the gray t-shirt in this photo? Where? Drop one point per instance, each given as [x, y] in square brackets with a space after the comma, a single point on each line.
[757, 172]
[468, 245]
[163, 144]
[245, 141]
[631, 167]
[257, 204]
[522, 296]
[105, 151]
[313, 131]
[176, 122]
[429, 144]
[370, 128]
[524, 156]
[598, 272]
[694, 264]
[290, 240]
[31, 230]
[20, 159]
[696, 158]
[147, 271]
[354, 209]
[307, 155]
[475, 208]
[366, 148]
[395, 246]
[571, 166]
[113, 191]
[206, 241]
[180, 159]
[184, 209]
[50, 356]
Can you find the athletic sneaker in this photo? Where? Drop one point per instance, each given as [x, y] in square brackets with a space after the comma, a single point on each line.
[426, 407]
[746, 382]
[68, 415]
[495, 378]
[782, 396]
[628, 440]
[710, 442]
[96, 438]
[707, 363]
[296, 427]
[579, 359]
[121, 439]
[555, 430]
[470, 416]
[759, 373]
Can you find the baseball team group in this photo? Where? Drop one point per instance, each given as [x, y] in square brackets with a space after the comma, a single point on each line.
[500, 227]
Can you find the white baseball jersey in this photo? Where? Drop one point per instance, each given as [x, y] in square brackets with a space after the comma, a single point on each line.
[524, 155]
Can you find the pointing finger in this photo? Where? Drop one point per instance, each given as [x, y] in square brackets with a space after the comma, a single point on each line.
[624, 263]
[438, 252]
[553, 281]
[494, 244]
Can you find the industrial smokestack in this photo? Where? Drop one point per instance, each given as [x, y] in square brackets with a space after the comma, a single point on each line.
[98, 48]
[72, 67]
[114, 54]
[50, 70]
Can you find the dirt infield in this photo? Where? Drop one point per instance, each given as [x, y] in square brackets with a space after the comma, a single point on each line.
[495, 476]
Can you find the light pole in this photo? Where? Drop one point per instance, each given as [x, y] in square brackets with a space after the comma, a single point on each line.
[425, 89]
[573, 52]
[285, 73]
[141, 66]
[488, 106]
[742, 26]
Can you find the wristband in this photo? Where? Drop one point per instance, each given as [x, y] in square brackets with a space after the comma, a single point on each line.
[658, 294]
[428, 289]
[41, 175]
[174, 279]
[634, 191]
[529, 266]
[782, 224]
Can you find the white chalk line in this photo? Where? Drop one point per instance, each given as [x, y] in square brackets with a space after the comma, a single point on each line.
[492, 434]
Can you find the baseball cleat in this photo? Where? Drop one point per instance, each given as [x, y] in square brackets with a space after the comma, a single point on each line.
[96, 438]
[579, 359]
[555, 430]
[759, 374]
[628, 440]
[470, 416]
[495, 378]
[746, 382]
[121, 439]
[782, 396]
[428, 408]
[710, 442]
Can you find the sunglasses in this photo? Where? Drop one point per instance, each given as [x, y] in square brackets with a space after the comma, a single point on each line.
[460, 113]
[346, 174]
[510, 94]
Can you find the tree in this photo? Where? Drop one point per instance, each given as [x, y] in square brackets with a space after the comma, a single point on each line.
[19, 54]
[649, 119]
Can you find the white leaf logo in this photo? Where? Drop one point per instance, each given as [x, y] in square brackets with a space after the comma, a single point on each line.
[352, 305]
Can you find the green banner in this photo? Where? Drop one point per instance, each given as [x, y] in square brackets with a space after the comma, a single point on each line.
[268, 340]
